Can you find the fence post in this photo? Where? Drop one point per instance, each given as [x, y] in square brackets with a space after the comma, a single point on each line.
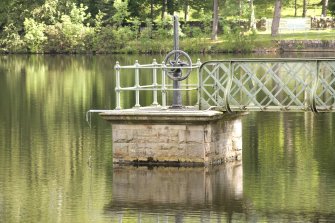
[154, 82]
[314, 88]
[199, 85]
[137, 84]
[117, 85]
[163, 84]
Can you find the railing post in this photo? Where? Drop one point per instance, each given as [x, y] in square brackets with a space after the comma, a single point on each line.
[117, 85]
[216, 76]
[163, 85]
[229, 84]
[137, 84]
[314, 88]
[154, 83]
[198, 64]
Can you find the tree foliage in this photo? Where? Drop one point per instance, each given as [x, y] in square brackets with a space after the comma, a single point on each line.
[34, 35]
[331, 7]
[76, 26]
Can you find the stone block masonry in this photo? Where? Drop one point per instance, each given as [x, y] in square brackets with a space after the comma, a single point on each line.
[201, 138]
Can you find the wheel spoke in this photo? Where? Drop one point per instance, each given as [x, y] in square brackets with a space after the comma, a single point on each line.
[177, 64]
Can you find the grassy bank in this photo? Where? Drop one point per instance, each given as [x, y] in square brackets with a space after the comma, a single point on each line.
[241, 43]
[226, 44]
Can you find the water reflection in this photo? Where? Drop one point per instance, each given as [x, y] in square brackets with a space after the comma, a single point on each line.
[45, 146]
[293, 156]
[177, 193]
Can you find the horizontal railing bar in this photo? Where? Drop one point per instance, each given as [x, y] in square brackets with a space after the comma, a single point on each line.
[269, 60]
[155, 87]
[160, 85]
[156, 67]
[265, 60]
[158, 89]
[325, 108]
[142, 86]
[268, 108]
[278, 108]
[181, 89]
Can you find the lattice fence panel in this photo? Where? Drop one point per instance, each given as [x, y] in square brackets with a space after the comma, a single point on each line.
[325, 91]
[268, 85]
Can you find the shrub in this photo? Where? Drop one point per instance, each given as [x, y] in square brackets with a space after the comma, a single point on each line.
[240, 41]
[111, 39]
[146, 33]
[164, 29]
[122, 36]
[56, 42]
[10, 40]
[34, 35]
[136, 27]
[104, 41]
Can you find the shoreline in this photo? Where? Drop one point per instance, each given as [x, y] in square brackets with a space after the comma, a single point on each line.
[278, 46]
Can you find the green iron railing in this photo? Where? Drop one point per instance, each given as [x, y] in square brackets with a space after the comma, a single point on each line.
[268, 85]
[245, 84]
[158, 85]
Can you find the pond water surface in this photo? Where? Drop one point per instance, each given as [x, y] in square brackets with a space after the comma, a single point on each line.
[54, 167]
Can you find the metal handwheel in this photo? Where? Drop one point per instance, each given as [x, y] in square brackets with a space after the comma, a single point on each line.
[174, 65]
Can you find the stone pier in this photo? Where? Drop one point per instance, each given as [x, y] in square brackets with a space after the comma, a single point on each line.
[174, 136]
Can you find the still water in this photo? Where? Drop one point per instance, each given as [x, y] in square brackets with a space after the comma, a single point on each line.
[54, 167]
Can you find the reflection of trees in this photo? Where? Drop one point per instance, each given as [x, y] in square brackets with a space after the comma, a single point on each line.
[45, 145]
[291, 149]
[250, 142]
[45, 142]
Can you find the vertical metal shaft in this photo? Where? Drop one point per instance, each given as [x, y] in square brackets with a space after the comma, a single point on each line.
[175, 34]
[177, 102]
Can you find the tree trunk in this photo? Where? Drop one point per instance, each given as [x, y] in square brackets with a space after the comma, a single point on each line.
[252, 15]
[170, 5]
[152, 10]
[186, 9]
[295, 8]
[164, 3]
[304, 8]
[215, 19]
[324, 8]
[240, 7]
[276, 18]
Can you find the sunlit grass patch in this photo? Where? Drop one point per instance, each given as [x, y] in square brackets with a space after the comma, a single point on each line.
[298, 35]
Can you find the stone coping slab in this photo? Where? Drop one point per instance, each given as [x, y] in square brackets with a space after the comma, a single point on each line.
[162, 115]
